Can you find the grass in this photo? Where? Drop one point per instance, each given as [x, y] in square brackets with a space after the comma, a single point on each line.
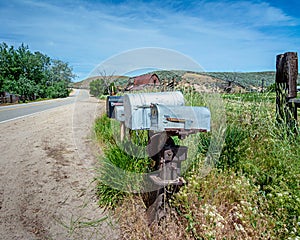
[251, 97]
[253, 192]
[116, 176]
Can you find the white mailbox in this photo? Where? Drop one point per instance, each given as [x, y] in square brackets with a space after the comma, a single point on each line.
[137, 107]
[168, 118]
[119, 114]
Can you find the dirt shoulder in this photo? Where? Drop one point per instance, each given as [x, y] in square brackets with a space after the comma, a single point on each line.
[47, 166]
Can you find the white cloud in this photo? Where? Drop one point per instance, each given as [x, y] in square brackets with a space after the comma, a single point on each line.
[244, 13]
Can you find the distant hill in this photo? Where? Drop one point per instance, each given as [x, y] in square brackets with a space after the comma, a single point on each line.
[85, 84]
[207, 81]
[236, 81]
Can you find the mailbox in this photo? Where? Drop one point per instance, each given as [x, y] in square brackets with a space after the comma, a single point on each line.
[111, 103]
[137, 107]
[119, 113]
[168, 118]
[164, 115]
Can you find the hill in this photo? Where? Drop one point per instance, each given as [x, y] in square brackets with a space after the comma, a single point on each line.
[85, 84]
[204, 81]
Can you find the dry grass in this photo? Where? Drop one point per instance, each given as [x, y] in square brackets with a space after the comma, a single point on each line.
[134, 223]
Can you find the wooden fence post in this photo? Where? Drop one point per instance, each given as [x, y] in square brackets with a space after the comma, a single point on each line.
[286, 87]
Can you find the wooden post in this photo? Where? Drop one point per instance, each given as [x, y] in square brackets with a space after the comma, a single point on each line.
[286, 87]
[122, 131]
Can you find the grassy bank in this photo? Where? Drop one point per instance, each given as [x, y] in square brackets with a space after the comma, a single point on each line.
[253, 192]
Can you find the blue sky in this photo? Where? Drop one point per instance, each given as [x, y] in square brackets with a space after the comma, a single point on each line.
[219, 35]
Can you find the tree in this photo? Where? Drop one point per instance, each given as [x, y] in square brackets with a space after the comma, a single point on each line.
[33, 74]
[61, 71]
[26, 88]
[107, 81]
[98, 87]
[6, 64]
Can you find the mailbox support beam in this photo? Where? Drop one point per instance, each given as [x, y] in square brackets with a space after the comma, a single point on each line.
[122, 131]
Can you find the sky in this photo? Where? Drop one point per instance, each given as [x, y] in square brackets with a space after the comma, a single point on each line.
[239, 36]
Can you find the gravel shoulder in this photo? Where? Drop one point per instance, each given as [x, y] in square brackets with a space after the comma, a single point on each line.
[47, 166]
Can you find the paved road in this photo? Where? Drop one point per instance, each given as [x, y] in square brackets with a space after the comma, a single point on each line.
[8, 113]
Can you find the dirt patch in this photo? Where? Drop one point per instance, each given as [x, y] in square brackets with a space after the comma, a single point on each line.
[47, 167]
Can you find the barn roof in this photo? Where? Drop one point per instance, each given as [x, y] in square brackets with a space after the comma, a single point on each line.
[145, 79]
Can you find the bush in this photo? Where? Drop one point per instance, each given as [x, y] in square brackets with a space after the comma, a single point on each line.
[223, 205]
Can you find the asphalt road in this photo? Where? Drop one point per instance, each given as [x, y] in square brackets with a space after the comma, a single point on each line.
[12, 112]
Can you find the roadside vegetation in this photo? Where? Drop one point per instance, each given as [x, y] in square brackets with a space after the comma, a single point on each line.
[106, 85]
[252, 192]
[32, 75]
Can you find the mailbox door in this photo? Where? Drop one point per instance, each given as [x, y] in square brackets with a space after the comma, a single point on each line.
[140, 119]
[119, 113]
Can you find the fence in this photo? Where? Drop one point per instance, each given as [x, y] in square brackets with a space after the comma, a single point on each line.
[6, 97]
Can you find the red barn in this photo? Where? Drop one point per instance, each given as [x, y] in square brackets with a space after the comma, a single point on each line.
[140, 82]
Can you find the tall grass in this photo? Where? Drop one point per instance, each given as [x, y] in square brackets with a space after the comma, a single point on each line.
[116, 164]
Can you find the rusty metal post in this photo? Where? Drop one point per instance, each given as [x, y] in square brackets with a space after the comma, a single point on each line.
[286, 87]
